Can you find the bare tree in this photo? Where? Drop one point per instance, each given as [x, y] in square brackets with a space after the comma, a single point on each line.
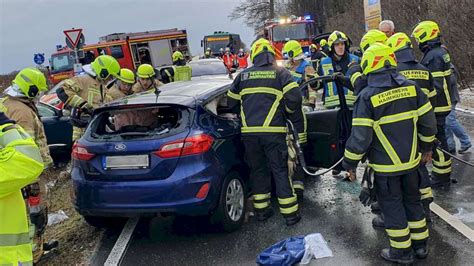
[254, 12]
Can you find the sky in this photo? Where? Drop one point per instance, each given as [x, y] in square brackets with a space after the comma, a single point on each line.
[36, 26]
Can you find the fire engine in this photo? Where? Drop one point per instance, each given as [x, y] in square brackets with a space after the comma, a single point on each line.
[130, 50]
[221, 39]
[279, 31]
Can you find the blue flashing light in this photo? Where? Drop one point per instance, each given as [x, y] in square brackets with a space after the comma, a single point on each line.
[307, 17]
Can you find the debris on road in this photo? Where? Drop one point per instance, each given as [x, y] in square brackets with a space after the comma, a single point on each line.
[315, 247]
[57, 217]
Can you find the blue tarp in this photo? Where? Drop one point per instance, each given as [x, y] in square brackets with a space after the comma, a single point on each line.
[286, 252]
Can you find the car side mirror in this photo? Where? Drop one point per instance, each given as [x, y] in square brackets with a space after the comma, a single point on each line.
[202, 43]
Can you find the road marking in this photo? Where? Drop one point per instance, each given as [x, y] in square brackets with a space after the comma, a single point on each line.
[453, 221]
[464, 111]
[116, 255]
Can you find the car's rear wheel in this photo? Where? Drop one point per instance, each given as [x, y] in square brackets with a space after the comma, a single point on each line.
[230, 211]
[105, 222]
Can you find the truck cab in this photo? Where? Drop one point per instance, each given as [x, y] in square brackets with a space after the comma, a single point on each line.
[221, 39]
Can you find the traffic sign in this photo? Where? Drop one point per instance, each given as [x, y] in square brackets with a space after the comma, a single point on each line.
[39, 59]
[73, 37]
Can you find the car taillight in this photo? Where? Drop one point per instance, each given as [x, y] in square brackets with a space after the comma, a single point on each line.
[79, 152]
[189, 146]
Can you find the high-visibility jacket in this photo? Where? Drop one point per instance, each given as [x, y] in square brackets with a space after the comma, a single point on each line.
[268, 95]
[24, 112]
[229, 60]
[416, 72]
[300, 74]
[392, 122]
[20, 165]
[438, 61]
[243, 61]
[179, 73]
[115, 93]
[137, 87]
[330, 96]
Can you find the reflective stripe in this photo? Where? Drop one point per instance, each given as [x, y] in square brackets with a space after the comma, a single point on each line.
[289, 87]
[354, 77]
[272, 111]
[169, 75]
[414, 143]
[424, 109]
[327, 69]
[262, 205]
[417, 224]
[14, 239]
[400, 245]
[432, 93]
[233, 95]
[439, 74]
[386, 145]
[441, 171]
[261, 129]
[289, 210]
[389, 119]
[261, 196]
[396, 167]
[420, 236]
[442, 163]
[298, 185]
[442, 109]
[426, 139]
[353, 156]
[29, 150]
[287, 200]
[427, 195]
[398, 232]
[261, 90]
[288, 110]
[425, 190]
[362, 122]
[426, 91]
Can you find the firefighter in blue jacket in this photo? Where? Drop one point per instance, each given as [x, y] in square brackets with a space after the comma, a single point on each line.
[268, 95]
[394, 125]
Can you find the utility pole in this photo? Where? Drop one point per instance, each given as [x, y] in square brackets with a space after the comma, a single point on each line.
[272, 8]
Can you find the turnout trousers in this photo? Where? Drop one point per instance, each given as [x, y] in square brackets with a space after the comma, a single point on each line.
[399, 199]
[441, 172]
[270, 151]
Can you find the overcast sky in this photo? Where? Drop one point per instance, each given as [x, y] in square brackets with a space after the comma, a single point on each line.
[36, 26]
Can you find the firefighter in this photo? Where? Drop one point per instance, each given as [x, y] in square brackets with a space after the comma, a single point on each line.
[146, 79]
[180, 71]
[20, 165]
[438, 61]
[394, 123]
[267, 95]
[208, 53]
[87, 92]
[229, 59]
[337, 61]
[242, 59]
[123, 84]
[18, 103]
[316, 55]
[323, 44]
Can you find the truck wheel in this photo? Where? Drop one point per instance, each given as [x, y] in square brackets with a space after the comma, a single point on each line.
[230, 211]
[105, 222]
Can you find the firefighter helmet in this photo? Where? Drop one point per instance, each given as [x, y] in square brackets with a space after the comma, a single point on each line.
[145, 71]
[260, 46]
[371, 37]
[399, 41]
[323, 42]
[177, 56]
[377, 58]
[126, 75]
[338, 37]
[31, 81]
[105, 65]
[293, 49]
[425, 31]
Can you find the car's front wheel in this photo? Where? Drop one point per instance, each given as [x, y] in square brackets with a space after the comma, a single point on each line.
[230, 211]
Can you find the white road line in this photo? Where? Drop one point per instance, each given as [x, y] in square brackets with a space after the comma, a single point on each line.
[464, 111]
[453, 221]
[116, 255]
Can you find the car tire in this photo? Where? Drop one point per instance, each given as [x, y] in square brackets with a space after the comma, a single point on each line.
[105, 222]
[230, 212]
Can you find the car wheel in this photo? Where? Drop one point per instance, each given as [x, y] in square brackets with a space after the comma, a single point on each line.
[105, 222]
[230, 211]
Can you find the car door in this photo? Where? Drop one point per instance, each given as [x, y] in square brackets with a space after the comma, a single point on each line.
[58, 128]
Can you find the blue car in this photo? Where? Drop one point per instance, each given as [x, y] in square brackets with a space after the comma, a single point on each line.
[175, 153]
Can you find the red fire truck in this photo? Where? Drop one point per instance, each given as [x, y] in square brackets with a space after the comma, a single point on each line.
[130, 49]
[279, 31]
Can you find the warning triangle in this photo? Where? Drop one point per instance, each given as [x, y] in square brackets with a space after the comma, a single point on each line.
[74, 36]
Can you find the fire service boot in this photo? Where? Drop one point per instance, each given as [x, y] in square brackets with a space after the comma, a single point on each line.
[375, 208]
[378, 222]
[264, 214]
[397, 256]
[421, 252]
[293, 219]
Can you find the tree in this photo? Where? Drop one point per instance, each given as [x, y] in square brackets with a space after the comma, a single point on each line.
[254, 12]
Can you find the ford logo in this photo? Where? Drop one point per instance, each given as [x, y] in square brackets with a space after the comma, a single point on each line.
[120, 147]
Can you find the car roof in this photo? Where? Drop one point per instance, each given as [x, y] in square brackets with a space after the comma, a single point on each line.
[205, 61]
[182, 93]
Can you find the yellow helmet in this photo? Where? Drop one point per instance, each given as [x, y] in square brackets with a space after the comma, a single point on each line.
[126, 75]
[378, 57]
[399, 41]
[292, 49]
[337, 37]
[105, 65]
[371, 37]
[323, 42]
[260, 46]
[31, 82]
[177, 56]
[425, 31]
[145, 71]
[313, 46]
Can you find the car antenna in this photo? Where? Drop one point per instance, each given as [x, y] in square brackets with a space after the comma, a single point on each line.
[157, 91]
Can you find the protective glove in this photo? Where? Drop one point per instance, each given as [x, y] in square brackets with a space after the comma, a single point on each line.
[338, 76]
[351, 175]
[86, 108]
[367, 194]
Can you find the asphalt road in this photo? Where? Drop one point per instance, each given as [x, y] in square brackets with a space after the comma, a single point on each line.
[331, 207]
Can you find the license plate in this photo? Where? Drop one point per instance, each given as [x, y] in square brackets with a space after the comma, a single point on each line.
[127, 162]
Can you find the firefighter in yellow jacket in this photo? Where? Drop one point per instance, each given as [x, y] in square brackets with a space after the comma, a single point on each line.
[20, 164]
[18, 104]
[88, 91]
[146, 79]
[123, 85]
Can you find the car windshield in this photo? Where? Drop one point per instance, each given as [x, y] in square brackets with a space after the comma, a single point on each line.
[62, 62]
[216, 43]
[208, 68]
[287, 32]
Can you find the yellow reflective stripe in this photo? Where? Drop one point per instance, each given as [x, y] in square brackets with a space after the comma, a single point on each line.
[298, 185]
[288, 110]
[287, 200]
[426, 139]
[272, 111]
[242, 116]
[326, 68]
[442, 109]
[261, 196]
[386, 145]
[353, 156]
[417, 224]
[414, 144]
[432, 94]
[289, 210]
[257, 129]
[441, 157]
[382, 168]
[441, 171]
[398, 232]
[427, 195]
[296, 74]
[400, 245]
[420, 236]
[233, 95]
[256, 90]
[424, 109]
[425, 190]
[289, 87]
[14, 239]
[442, 163]
[426, 91]
[303, 138]
[389, 119]
[437, 74]
[362, 122]
[354, 77]
[262, 205]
